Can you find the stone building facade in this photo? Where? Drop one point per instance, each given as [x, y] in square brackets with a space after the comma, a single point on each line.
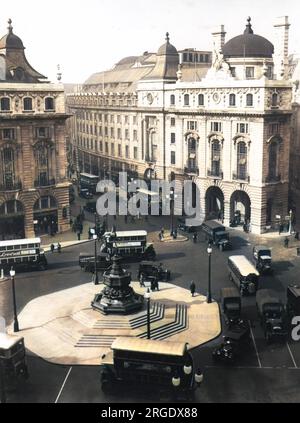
[34, 190]
[226, 127]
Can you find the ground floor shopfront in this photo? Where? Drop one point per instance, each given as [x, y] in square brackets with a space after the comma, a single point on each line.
[26, 214]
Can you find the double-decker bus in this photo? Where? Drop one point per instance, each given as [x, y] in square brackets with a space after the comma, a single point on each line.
[128, 244]
[24, 254]
[89, 182]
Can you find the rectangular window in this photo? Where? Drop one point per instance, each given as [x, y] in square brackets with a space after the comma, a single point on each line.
[106, 131]
[242, 128]
[112, 150]
[8, 134]
[118, 119]
[216, 126]
[274, 128]
[135, 135]
[127, 152]
[119, 134]
[192, 125]
[135, 153]
[119, 150]
[173, 158]
[134, 120]
[173, 137]
[127, 134]
[173, 121]
[112, 119]
[112, 132]
[42, 132]
[105, 118]
[249, 72]
[101, 146]
[106, 147]
[233, 72]
[126, 120]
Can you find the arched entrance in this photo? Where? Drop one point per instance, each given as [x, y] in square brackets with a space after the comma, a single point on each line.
[12, 216]
[214, 202]
[240, 208]
[45, 215]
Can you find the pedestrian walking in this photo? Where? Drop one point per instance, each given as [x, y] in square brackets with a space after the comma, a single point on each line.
[78, 236]
[58, 247]
[52, 248]
[286, 242]
[175, 234]
[195, 237]
[192, 288]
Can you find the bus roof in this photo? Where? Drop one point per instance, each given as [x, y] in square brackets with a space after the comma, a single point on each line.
[149, 346]
[244, 265]
[131, 233]
[13, 242]
[89, 175]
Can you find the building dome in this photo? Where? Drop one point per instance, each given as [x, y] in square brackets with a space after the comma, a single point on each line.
[248, 45]
[167, 48]
[10, 40]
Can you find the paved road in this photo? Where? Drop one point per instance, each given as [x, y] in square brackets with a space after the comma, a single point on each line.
[265, 373]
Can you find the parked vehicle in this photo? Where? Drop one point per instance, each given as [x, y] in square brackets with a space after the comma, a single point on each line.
[272, 314]
[263, 258]
[150, 268]
[235, 342]
[85, 193]
[13, 357]
[22, 254]
[156, 365]
[243, 274]
[231, 304]
[87, 262]
[185, 227]
[91, 206]
[293, 301]
[216, 234]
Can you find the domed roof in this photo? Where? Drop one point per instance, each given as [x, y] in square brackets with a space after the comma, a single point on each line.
[248, 45]
[167, 48]
[10, 40]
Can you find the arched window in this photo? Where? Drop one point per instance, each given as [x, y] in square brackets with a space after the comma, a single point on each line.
[232, 100]
[12, 207]
[186, 100]
[242, 153]
[49, 103]
[249, 100]
[45, 202]
[172, 100]
[7, 169]
[200, 100]
[274, 100]
[27, 104]
[215, 158]
[5, 104]
[273, 161]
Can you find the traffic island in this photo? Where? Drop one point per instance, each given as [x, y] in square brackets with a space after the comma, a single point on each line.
[62, 327]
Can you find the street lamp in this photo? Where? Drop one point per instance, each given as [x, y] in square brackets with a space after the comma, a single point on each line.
[209, 251]
[96, 279]
[147, 297]
[172, 197]
[12, 276]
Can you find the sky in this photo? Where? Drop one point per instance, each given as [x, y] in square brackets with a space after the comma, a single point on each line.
[88, 36]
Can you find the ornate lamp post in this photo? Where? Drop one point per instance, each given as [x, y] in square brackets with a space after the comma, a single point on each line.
[209, 252]
[147, 297]
[12, 276]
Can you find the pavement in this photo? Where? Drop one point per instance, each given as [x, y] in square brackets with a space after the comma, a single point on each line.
[62, 327]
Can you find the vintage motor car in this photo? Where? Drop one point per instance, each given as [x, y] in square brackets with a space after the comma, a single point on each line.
[85, 193]
[293, 301]
[150, 268]
[263, 258]
[87, 262]
[231, 304]
[13, 356]
[272, 314]
[216, 234]
[235, 342]
[159, 366]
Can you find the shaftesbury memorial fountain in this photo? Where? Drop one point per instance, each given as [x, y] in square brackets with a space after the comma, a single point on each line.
[117, 297]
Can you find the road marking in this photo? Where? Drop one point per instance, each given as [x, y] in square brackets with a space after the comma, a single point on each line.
[291, 354]
[255, 347]
[63, 385]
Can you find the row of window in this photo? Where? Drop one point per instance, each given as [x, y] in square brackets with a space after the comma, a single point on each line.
[94, 130]
[107, 118]
[5, 104]
[9, 134]
[90, 144]
[232, 100]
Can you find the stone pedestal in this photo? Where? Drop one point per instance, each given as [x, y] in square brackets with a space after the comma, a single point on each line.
[117, 297]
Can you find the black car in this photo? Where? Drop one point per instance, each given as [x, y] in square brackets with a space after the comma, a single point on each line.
[272, 314]
[85, 193]
[231, 304]
[151, 269]
[235, 342]
[263, 259]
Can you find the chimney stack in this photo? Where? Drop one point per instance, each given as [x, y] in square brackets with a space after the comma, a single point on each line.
[281, 47]
[218, 40]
